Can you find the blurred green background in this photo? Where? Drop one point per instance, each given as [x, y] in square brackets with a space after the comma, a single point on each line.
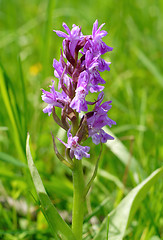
[134, 84]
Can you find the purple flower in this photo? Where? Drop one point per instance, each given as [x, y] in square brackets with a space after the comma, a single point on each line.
[59, 72]
[97, 34]
[78, 73]
[103, 65]
[95, 62]
[91, 61]
[94, 41]
[98, 120]
[73, 36]
[100, 136]
[95, 79]
[75, 149]
[58, 68]
[79, 103]
[54, 99]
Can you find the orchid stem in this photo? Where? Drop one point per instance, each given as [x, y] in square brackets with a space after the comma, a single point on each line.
[78, 199]
[78, 191]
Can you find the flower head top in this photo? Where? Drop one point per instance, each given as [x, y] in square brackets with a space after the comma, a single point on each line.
[79, 75]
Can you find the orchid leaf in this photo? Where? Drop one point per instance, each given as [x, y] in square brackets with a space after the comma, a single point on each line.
[58, 226]
[120, 217]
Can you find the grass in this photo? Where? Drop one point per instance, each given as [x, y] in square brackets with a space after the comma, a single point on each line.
[135, 84]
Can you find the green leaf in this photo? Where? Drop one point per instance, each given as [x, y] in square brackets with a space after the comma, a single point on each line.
[24, 98]
[9, 159]
[119, 150]
[104, 174]
[122, 215]
[12, 115]
[56, 223]
[155, 238]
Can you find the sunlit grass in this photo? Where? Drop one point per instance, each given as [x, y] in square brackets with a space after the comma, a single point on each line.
[134, 84]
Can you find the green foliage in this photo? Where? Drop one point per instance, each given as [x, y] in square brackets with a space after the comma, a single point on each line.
[58, 226]
[11, 107]
[120, 217]
[134, 84]
[9, 159]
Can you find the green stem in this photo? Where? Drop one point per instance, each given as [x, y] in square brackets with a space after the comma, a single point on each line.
[78, 199]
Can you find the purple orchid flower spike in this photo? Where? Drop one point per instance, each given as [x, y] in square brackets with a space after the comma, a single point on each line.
[80, 115]
[78, 76]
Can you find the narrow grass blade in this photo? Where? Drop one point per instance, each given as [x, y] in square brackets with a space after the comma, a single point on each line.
[97, 209]
[24, 120]
[11, 94]
[149, 65]
[105, 174]
[56, 223]
[124, 128]
[47, 33]
[118, 148]
[9, 159]
[9, 108]
[10, 37]
[122, 215]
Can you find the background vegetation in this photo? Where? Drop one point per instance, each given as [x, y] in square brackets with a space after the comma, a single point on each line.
[134, 84]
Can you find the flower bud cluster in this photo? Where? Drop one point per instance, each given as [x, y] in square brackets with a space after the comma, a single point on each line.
[78, 73]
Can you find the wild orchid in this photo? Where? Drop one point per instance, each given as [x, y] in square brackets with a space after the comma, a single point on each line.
[78, 73]
[78, 77]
